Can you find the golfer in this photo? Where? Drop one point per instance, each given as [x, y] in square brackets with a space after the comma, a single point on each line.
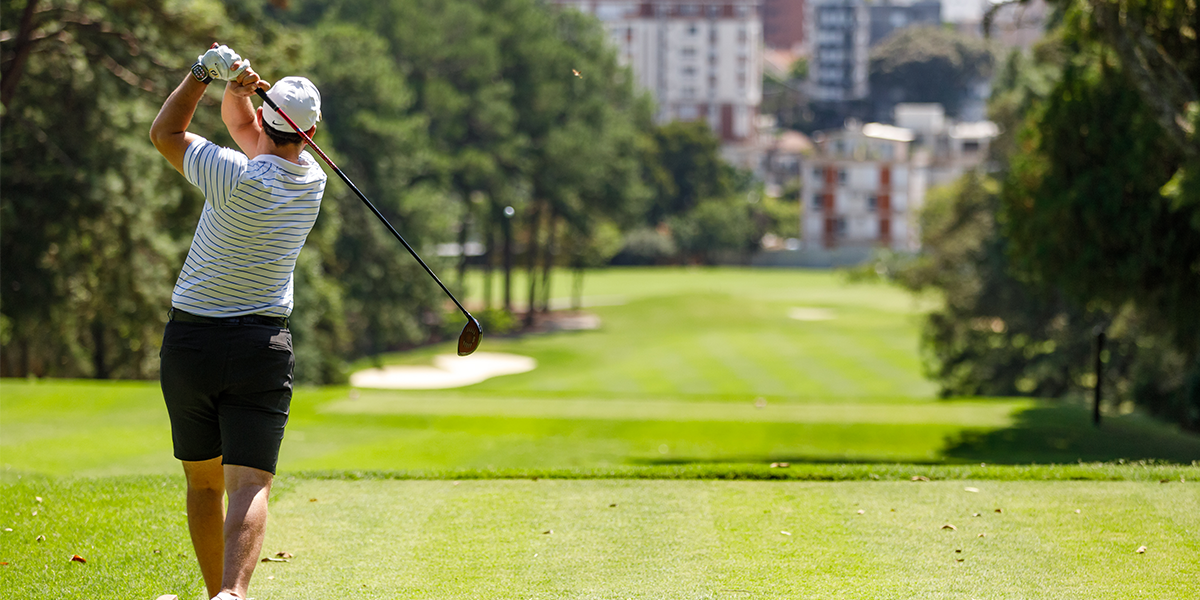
[227, 352]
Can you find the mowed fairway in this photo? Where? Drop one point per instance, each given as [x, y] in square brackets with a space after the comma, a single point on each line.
[696, 376]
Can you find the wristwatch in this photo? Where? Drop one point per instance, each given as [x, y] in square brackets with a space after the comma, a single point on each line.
[201, 74]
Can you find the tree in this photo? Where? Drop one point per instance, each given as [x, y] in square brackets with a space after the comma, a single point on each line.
[1092, 224]
[91, 232]
[1099, 199]
[929, 64]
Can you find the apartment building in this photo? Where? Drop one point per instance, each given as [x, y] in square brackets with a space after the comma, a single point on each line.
[699, 60]
[864, 184]
[889, 16]
[838, 33]
[860, 189]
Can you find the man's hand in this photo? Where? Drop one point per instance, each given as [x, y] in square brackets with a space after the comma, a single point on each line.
[246, 82]
[222, 63]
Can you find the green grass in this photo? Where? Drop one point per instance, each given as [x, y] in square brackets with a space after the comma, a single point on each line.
[722, 333]
[446, 494]
[382, 539]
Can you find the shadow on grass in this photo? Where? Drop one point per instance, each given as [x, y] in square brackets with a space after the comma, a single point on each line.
[1052, 432]
[1062, 432]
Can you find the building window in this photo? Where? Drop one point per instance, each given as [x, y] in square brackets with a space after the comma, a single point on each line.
[689, 52]
[692, 29]
[689, 92]
[971, 146]
[872, 203]
[742, 35]
[842, 176]
[689, 71]
[816, 205]
[841, 226]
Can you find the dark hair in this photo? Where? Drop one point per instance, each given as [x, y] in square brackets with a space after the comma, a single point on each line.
[282, 138]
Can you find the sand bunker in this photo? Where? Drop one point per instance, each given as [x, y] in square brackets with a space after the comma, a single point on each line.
[447, 371]
[808, 313]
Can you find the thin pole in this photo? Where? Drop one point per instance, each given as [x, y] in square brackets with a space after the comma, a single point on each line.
[1099, 378]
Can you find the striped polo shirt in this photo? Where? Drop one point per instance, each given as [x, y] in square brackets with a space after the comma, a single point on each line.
[257, 214]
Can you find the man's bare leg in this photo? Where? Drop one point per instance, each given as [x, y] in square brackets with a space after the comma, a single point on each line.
[245, 525]
[206, 518]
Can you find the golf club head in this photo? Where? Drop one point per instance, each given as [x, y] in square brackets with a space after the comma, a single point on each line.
[470, 337]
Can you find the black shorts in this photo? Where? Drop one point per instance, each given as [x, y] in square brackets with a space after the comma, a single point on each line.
[228, 389]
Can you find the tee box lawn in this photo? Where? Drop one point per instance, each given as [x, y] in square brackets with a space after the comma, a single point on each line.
[634, 462]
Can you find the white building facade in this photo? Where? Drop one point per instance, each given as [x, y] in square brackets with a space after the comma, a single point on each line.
[699, 60]
[860, 190]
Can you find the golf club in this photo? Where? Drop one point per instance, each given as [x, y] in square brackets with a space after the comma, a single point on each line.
[472, 333]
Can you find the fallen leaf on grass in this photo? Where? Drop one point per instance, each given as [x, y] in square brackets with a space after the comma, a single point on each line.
[862, 512]
[1164, 481]
[613, 505]
[786, 532]
[950, 527]
[78, 558]
[973, 490]
[961, 559]
[548, 532]
[40, 538]
[976, 515]
[284, 555]
[1141, 550]
[780, 465]
[273, 559]
[1077, 511]
[3, 564]
[38, 498]
[982, 535]
[312, 499]
[270, 577]
[999, 511]
[920, 478]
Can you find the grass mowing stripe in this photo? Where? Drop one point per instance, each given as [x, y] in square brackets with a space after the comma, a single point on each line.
[971, 413]
[1143, 472]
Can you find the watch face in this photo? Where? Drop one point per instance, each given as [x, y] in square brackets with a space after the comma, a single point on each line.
[199, 72]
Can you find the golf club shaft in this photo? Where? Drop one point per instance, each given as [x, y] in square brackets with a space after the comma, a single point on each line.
[262, 94]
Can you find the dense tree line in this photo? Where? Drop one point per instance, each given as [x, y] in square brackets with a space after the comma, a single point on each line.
[1090, 224]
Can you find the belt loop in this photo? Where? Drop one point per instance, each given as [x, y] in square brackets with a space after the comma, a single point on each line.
[171, 314]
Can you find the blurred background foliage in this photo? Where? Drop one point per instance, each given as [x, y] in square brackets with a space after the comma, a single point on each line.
[1089, 222]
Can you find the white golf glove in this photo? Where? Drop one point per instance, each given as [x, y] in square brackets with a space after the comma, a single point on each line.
[218, 62]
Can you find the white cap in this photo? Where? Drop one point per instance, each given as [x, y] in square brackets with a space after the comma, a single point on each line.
[299, 98]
